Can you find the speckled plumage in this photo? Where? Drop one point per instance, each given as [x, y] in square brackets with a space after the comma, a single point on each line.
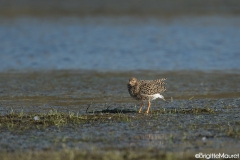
[146, 90]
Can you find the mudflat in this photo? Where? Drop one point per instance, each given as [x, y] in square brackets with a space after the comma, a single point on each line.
[89, 113]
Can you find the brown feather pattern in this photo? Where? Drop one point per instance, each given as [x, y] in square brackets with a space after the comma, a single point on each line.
[139, 88]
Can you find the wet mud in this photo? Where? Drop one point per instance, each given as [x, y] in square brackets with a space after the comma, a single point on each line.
[53, 110]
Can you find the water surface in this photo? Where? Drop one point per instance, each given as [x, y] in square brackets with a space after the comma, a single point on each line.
[120, 43]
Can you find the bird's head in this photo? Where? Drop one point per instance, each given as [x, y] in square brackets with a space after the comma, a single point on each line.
[132, 81]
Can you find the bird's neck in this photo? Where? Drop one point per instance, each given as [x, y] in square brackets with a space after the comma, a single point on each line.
[136, 88]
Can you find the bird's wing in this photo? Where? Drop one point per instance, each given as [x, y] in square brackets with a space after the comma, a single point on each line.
[159, 81]
[162, 84]
[152, 88]
[148, 89]
[153, 81]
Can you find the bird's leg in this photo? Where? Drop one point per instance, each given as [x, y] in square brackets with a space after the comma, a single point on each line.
[140, 110]
[149, 104]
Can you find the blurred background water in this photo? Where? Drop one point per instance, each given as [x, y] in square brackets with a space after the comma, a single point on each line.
[120, 35]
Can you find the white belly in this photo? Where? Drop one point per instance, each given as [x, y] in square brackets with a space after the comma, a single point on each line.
[155, 96]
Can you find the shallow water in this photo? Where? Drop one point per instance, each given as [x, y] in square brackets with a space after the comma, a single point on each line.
[214, 126]
[81, 88]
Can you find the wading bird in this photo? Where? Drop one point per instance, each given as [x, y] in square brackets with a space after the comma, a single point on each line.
[146, 90]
